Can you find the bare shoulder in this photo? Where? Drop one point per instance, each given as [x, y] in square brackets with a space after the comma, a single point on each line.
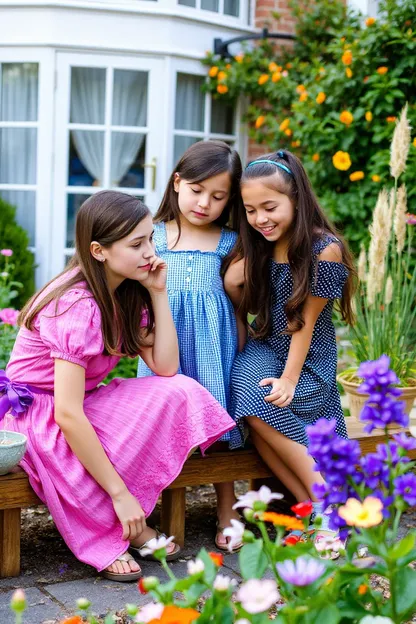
[235, 272]
[331, 253]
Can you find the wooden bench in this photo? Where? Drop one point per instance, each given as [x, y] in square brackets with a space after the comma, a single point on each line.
[217, 467]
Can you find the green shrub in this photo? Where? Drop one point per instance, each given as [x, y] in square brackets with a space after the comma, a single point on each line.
[127, 367]
[14, 237]
[339, 63]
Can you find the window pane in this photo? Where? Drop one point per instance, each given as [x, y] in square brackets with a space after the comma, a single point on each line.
[222, 117]
[87, 95]
[210, 5]
[190, 3]
[181, 144]
[190, 103]
[18, 156]
[86, 158]
[127, 159]
[74, 203]
[25, 204]
[19, 92]
[232, 7]
[130, 98]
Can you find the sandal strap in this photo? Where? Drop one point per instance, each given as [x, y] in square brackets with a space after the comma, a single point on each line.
[126, 557]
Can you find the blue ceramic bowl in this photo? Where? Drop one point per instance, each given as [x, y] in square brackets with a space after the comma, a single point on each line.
[11, 453]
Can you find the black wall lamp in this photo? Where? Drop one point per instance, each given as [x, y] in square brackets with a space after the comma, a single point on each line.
[221, 47]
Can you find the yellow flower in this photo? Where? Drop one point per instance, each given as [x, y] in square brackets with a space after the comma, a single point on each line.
[346, 118]
[391, 119]
[273, 67]
[239, 58]
[276, 76]
[263, 78]
[369, 116]
[213, 71]
[316, 158]
[221, 88]
[228, 66]
[414, 142]
[296, 143]
[382, 70]
[370, 21]
[289, 522]
[356, 175]
[222, 75]
[321, 97]
[300, 88]
[303, 96]
[364, 515]
[288, 132]
[322, 70]
[341, 160]
[260, 121]
[347, 57]
[348, 72]
[375, 178]
[285, 124]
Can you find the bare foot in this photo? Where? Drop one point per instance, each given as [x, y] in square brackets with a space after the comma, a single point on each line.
[125, 564]
[148, 534]
[224, 520]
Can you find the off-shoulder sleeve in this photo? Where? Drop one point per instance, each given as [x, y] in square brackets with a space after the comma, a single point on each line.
[328, 279]
[72, 331]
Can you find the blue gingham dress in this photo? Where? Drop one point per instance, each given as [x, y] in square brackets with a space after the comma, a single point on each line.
[203, 314]
[316, 395]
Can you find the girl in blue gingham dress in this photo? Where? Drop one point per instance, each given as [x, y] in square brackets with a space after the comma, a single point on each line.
[190, 234]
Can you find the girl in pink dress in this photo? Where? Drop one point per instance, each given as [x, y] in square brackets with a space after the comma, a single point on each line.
[99, 456]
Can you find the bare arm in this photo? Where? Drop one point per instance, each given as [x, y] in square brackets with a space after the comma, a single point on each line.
[84, 442]
[233, 284]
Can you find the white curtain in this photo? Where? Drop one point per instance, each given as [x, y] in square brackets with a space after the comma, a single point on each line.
[129, 109]
[190, 103]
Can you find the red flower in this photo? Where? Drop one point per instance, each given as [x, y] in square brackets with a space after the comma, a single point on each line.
[217, 558]
[303, 509]
[291, 540]
[141, 586]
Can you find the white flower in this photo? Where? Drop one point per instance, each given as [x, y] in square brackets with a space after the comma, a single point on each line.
[222, 583]
[412, 431]
[257, 596]
[4, 274]
[333, 544]
[150, 611]
[195, 567]
[376, 619]
[235, 532]
[264, 495]
[154, 544]
[242, 621]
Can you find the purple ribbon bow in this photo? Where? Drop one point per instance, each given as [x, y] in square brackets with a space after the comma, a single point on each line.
[16, 397]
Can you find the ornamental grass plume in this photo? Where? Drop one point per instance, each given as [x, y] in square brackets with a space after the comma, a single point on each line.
[380, 235]
[362, 265]
[400, 219]
[400, 145]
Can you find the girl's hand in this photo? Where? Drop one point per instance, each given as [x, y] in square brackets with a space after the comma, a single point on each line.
[155, 280]
[131, 515]
[282, 393]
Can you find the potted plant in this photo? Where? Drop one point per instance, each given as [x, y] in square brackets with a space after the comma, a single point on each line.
[386, 293]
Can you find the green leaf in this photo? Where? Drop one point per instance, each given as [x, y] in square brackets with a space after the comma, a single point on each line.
[193, 593]
[225, 615]
[253, 561]
[402, 548]
[404, 587]
[328, 614]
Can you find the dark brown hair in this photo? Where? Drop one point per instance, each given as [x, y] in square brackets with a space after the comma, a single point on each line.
[201, 161]
[309, 223]
[105, 217]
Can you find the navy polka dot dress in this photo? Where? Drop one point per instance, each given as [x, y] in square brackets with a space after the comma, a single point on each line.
[316, 395]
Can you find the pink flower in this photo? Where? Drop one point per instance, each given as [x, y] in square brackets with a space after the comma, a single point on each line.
[411, 219]
[6, 252]
[9, 316]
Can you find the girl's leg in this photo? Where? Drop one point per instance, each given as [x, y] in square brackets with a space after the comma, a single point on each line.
[279, 469]
[225, 512]
[293, 455]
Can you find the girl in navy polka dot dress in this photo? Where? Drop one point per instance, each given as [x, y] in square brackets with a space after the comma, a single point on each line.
[289, 268]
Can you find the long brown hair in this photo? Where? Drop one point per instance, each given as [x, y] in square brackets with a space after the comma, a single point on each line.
[105, 217]
[309, 223]
[201, 161]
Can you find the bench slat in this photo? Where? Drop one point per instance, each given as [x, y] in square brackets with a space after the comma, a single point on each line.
[16, 492]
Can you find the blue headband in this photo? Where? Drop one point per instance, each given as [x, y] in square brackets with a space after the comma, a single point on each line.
[271, 162]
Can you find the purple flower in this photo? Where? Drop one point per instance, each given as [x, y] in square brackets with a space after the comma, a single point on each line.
[390, 453]
[405, 486]
[375, 470]
[303, 571]
[408, 444]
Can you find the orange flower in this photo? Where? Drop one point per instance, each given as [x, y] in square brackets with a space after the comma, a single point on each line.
[217, 558]
[320, 98]
[375, 178]
[391, 119]
[341, 160]
[370, 21]
[75, 619]
[346, 118]
[276, 76]
[176, 615]
[222, 75]
[288, 132]
[300, 88]
[348, 72]
[213, 71]
[222, 88]
[356, 175]
[228, 66]
[273, 67]
[365, 79]
[295, 143]
[289, 65]
[382, 70]
[260, 121]
[369, 116]
[342, 39]
[285, 124]
[363, 589]
[289, 522]
[239, 58]
[303, 96]
[263, 79]
[414, 142]
[347, 57]
[316, 158]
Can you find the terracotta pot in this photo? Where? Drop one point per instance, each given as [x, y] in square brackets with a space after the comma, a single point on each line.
[356, 400]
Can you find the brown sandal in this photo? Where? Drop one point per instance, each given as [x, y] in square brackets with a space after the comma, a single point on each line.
[123, 577]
